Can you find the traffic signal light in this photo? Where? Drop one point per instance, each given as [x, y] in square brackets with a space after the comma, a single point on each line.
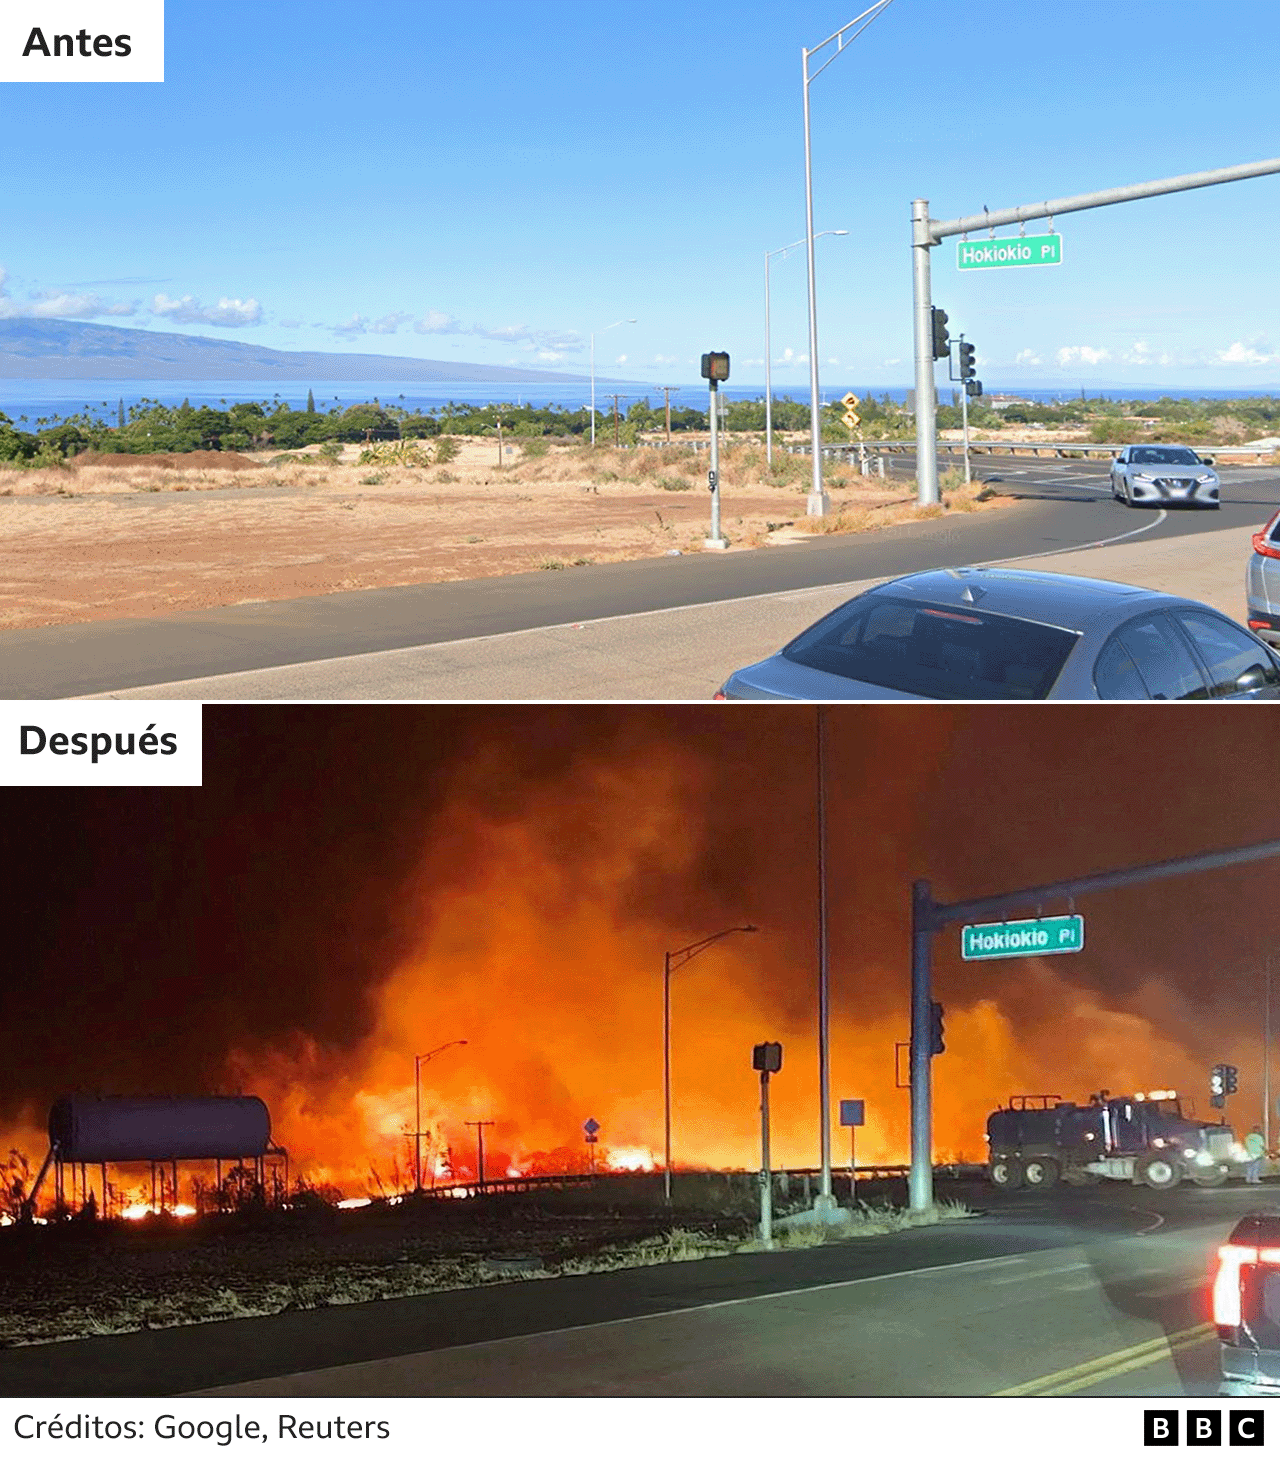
[968, 369]
[1231, 1075]
[941, 339]
[715, 366]
[972, 388]
[767, 1057]
[936, 1044]
[1218, 1081]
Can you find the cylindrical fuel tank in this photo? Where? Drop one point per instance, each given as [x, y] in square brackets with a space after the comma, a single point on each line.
[90, 1130]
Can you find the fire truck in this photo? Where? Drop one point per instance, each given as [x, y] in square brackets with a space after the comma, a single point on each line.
[1145, 1139]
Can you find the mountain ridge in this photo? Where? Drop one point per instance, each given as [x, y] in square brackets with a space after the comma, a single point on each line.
[64, 349]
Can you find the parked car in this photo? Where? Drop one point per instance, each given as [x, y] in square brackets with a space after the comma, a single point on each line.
[1262, 582]
[1143, 475]
[1001, 633]
[1246, 1306]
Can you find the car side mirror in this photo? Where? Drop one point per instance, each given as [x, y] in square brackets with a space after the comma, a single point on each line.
[1206, 460]
[1254, 677]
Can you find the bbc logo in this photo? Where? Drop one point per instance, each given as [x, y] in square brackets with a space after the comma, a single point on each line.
[1204, 1428]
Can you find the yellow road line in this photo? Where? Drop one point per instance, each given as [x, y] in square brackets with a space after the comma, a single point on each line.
[1114, 1364]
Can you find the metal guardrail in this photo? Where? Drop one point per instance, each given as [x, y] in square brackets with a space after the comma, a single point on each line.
[1059, 449]
[532, 1184]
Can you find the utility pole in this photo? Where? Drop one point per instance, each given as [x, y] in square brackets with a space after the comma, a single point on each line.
[616, 398]
[666, 396]
[479, 1125]
[1266, 1059]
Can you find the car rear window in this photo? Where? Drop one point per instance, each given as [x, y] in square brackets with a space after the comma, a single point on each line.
[936, 651]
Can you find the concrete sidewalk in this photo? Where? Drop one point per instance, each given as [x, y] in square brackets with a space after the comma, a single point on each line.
[680, 653]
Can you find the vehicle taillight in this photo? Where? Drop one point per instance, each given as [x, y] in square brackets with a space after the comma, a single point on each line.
[1260, 543]
[1259, 624]
[720, 698]
[1226, 1284]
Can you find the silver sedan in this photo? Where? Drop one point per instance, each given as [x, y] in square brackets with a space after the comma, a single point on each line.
[1160, 475]
[1000, 633]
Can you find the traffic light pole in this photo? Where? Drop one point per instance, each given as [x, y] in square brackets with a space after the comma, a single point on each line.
[926, 414]
[964, 415]
[926, 234]
[929, 916]
[715, 541]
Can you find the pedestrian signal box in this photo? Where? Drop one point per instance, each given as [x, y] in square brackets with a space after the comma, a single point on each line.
[715, 366]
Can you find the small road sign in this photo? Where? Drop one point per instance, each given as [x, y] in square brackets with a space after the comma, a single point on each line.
[852, 1113]
[1039, 936]
[1010, 252]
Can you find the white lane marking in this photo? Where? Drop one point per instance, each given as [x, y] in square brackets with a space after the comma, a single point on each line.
[1156, 1222]
[930, 1271]
[1036, 1275]
[1083, 547]
[529, 1336]
[786, 595]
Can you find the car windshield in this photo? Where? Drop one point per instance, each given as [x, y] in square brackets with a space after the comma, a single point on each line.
[933, 651]
[1163, 456]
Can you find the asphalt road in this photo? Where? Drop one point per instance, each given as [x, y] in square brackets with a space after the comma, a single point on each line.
[1061, 505]
[1097, 1291]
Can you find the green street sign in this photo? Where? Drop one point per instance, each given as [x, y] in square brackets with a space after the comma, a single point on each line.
[1042, 936]
[1010, 252]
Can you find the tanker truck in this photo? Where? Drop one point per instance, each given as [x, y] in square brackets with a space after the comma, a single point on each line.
[1145, 1139]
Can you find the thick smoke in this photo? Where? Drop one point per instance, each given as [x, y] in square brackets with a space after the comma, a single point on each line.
[353, 887]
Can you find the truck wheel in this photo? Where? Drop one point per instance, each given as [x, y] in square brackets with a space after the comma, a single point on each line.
[1041, 1173]
[1210, 1179]
[1005, 1173]
[1158, 1171]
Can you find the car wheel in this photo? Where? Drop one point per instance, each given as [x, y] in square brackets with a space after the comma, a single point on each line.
[1128, 495]
[1040, 1173]
[1158, 1172]
[1210, 1179]
[1005, 1173]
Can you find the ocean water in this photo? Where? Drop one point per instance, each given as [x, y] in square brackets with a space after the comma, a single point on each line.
[27, 402]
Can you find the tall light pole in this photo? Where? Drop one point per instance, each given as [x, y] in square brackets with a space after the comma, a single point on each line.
[672, 961]
[768, 356]
[418, 1060]
[826, 1200]
[605, 330]
[818, 502]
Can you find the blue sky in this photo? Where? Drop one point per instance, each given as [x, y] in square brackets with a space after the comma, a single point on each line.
[491, 183]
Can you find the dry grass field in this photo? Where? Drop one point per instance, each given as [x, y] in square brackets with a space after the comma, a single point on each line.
[140, 536]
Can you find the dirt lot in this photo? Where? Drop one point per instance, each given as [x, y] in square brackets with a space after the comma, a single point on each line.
[138, 536]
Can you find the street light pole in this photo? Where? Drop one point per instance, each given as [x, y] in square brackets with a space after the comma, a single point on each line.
[819, 503]
[671, 962]
[826, 1200]
[768, 349]
[606, 328]
[418, 1060]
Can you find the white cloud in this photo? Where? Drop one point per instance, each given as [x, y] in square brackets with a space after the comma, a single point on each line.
[58, 304]
[886, 363]
[1240, 353]
[1082, 354]
[229, 313]
[1027, 357]
[670, 359]
[621, 359]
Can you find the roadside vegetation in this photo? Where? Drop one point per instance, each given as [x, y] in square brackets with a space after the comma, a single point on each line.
[86, 1278]
[149, 427]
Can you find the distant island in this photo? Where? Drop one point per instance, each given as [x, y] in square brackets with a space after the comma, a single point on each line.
[60, 349]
